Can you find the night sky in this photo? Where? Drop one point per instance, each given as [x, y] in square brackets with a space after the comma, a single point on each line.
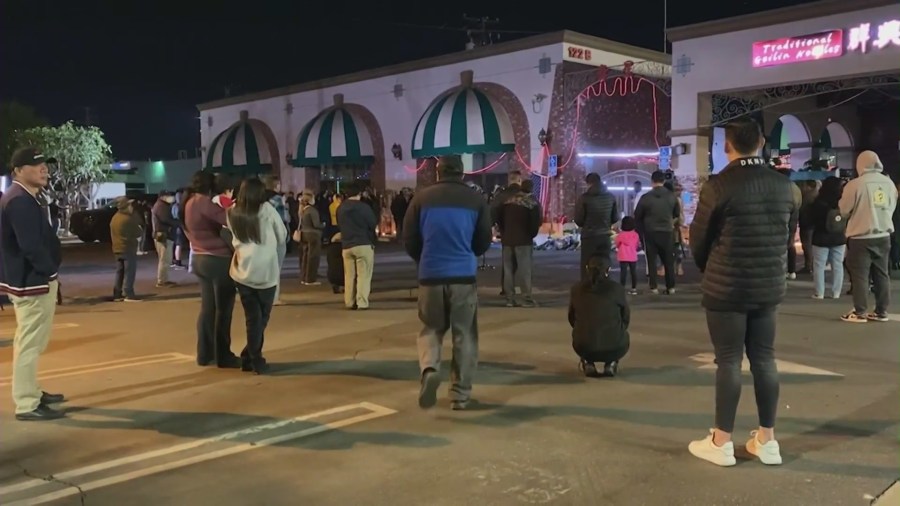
[141, 67]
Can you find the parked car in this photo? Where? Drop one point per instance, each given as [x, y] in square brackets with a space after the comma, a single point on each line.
[93, 225]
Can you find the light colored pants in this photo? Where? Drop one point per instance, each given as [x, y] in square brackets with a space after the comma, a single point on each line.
[823, 256]
[34, 323]
[164, 251]
[359, 262]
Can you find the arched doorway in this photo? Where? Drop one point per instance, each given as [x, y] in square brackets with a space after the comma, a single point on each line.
[788, 131]
[622, 184]
[836, 146]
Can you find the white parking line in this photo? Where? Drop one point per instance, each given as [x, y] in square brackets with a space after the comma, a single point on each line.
[106, 366]
[58, 326]
[374, 411]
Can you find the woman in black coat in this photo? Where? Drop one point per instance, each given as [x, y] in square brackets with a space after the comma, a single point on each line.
[828, 240]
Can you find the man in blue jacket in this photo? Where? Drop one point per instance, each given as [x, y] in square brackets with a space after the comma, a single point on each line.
[29, 264]
[447, 226]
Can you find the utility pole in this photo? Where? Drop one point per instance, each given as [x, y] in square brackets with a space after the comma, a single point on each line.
[478, 31]
[665, 26]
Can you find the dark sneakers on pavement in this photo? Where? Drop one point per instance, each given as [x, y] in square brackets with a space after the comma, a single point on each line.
[428, 391]
[43, 412]
[48, 398]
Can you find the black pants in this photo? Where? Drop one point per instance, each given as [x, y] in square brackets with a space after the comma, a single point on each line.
[624, 269]
[604, 357]
[662, 245]
[257, 305]
[895, 249]
[806, 234]
[310, 254]
[865, 258]
[731, 333]
[792, 259]
[594, 245]
[217, 293]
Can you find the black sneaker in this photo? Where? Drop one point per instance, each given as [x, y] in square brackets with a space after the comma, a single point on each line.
[877, 317]
[428, 391]
[48, 398]
[588, 369]
[611, 369]
[459, 405]
[41, 413]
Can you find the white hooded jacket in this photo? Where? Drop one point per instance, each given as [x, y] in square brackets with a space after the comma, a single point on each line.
[869, 201]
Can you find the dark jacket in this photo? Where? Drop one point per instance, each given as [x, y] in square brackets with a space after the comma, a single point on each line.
[357, 222]
[164, 224]
[657, 211]
[740, 236]
[310, 222]
[596, 211]
[599, 316]
[519, 220]
[125, 232]
[30, 251]
[399, 205]
[818, 217]
[447, 226]
[500, 198]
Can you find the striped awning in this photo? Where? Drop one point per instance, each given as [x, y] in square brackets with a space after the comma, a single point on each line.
[244, 147]
[337, 136]
[463, 120]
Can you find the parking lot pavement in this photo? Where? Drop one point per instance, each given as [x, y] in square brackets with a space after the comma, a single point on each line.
[336, 421]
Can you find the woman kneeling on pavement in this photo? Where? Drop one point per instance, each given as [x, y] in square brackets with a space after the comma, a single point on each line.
[259, 234]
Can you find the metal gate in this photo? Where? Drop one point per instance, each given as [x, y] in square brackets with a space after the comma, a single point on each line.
[621, 184]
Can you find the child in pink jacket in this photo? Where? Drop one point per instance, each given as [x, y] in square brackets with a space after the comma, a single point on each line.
[627, 243]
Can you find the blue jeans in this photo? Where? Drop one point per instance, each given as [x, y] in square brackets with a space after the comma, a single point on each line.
[834, 256]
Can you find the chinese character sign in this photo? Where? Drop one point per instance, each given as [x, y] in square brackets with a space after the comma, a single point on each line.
[886, 34]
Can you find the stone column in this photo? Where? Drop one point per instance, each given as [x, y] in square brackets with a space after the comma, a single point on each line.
[692, 168]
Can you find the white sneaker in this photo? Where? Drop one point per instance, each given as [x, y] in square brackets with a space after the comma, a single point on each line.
[769, 453]
[718, 455]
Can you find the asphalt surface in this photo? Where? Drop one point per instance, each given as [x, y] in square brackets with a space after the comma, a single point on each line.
[336, 421]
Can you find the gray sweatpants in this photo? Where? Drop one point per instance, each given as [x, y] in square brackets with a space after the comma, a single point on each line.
[453, 308]
[517, 268]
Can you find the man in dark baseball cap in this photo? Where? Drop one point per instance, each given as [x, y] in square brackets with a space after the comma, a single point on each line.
[30, 156]
[29, 264]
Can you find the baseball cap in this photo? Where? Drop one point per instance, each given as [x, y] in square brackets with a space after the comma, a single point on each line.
[122, 202]
[29, 156]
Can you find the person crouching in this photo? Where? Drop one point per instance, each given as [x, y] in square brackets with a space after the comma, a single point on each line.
[599, 315]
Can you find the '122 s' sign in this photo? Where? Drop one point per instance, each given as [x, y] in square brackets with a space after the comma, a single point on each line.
[817, 46]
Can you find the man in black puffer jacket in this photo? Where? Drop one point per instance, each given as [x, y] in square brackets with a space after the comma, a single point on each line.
[595, 213]
[739, 240]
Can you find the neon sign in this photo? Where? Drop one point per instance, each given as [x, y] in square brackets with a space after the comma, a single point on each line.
[886, 34]
[811, 47]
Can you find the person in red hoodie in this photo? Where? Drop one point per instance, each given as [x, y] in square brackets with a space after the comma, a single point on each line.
[627, 242]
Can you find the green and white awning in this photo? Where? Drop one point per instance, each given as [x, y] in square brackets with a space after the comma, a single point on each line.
[337, 136]
[245, 147]
[463, 120]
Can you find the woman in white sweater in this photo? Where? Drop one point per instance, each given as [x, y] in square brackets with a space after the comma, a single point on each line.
[259, 234]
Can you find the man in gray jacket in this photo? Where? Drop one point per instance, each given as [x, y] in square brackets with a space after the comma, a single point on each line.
[655, 216]
[868, 205]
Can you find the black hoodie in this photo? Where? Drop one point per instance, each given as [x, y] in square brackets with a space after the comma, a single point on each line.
[657, 211]
[599, 316]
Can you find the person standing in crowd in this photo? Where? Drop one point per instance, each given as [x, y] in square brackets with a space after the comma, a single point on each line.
[808, 191]
[357, 223]
[204, 224]
[446, 228]
[738, 239]
[182, 246]
[599, 316]
[310, 240]
[30, 254]
[513, 187]
[595, 212]
[792, 246]
[164, 226]
[125, 232]
[828, 239]
[519, 220]
[895, 238]
[258, 236]
[273, 187]
[225, 198]
[331, 223]
[868, 204]
[655, 216]
[293, 208]
[399, 205]
[627, 243]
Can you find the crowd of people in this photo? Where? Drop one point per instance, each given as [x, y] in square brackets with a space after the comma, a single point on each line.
[236, 240]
